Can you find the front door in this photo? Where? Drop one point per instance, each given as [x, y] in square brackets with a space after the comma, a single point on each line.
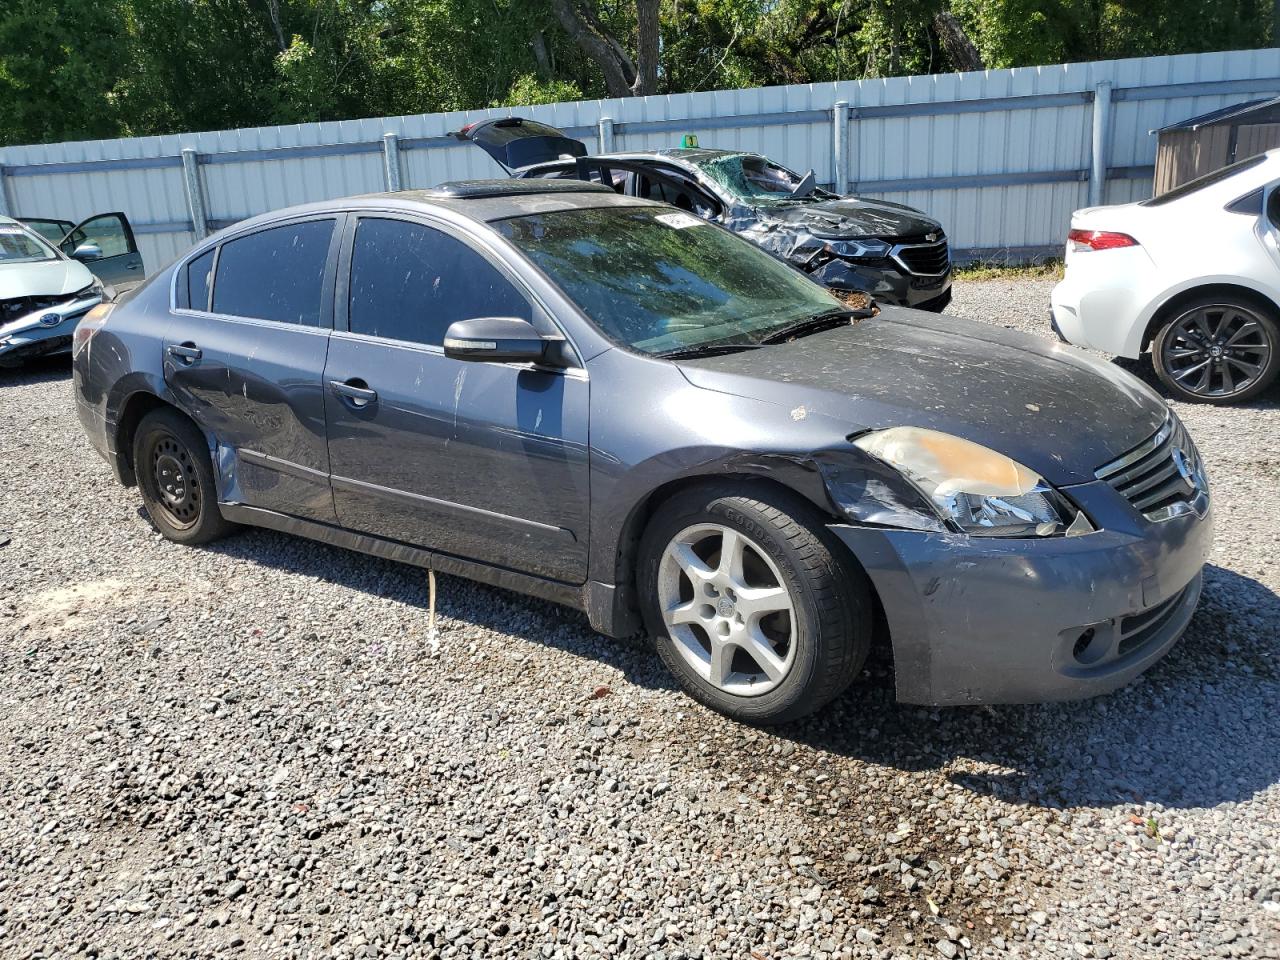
[105, 244]
[481, 460]
[244, 356]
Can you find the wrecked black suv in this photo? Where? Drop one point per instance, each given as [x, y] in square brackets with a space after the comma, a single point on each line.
[895, 253]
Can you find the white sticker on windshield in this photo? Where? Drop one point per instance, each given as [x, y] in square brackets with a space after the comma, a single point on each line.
[11, 228]
[679, 220]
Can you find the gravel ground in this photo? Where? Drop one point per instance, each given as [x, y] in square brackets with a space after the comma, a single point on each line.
[256, 749]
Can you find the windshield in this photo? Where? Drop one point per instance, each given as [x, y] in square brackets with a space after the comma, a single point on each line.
[753, 180]
[19, 246]
[658, 280]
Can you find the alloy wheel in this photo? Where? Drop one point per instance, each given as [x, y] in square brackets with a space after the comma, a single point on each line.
[1216, 350]
[727, 609]
[174, 473]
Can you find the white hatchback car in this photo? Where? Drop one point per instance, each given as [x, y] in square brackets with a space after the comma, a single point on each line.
[1192, 275]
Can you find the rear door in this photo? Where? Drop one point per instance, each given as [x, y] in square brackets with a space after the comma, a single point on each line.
[244, 356]
[481, 460]
[515, 142]
[104, 243]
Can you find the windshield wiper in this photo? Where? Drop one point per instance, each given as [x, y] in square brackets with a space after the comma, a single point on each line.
[707, 350]
[819, 321]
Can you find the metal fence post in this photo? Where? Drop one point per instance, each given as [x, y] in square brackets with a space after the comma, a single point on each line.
[840, 144]
[391, 161]
[1101, 143]
[195, 192]
[604, 131]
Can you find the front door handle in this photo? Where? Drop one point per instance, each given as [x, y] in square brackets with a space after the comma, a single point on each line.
[187, 353]
[354, 390]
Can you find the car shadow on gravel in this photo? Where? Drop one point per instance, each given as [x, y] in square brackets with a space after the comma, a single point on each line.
[1189, 733]
[460, 603]
[40, 370]
[1186, 734]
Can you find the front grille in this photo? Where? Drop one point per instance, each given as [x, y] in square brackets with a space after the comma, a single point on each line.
[925, 259]
[18, 307]
[1161, 476]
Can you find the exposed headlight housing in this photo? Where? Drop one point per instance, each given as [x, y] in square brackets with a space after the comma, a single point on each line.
[984, 493]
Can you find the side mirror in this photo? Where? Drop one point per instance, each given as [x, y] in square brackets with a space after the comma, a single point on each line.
[87, 251]
[494, 338]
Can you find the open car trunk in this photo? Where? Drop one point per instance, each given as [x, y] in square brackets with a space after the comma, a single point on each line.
[515, 142]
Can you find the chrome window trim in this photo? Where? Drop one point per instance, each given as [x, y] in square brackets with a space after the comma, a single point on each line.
[572, 373]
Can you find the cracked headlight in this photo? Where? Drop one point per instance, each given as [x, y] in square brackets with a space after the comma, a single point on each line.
[984, 493]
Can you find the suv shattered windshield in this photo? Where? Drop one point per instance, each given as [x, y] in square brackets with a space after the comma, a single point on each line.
[754, 180]
[660, 281]
[19, 246]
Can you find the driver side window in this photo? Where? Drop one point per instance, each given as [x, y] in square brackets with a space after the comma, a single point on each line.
[410, 282]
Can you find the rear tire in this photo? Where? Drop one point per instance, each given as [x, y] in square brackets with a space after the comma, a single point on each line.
[711, 626]
[1218, 349]
[175, 477]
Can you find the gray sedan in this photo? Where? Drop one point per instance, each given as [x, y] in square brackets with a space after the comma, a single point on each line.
[620, 407]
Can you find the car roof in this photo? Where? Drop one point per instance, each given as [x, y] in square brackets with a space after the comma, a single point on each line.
[489, 200]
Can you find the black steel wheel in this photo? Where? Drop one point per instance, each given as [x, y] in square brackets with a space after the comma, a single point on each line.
[1218, 350]
[171, 461]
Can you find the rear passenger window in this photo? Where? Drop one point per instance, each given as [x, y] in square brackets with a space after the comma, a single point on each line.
[409, 282]
[274, 274]
[199, 275]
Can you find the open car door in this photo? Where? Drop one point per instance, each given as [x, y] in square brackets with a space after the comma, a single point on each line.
[516, 143]
[104, 243]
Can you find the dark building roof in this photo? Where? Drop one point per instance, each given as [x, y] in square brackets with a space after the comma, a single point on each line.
[1236, 112]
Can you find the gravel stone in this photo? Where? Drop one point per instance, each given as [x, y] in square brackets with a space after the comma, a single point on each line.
[255, 748]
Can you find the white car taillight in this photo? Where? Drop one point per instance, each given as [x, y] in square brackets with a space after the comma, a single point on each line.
[1080, 241]
[90, 323]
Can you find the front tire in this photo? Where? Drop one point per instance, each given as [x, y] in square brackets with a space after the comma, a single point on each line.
[175, 477]
[1218, 350]
[750, 605]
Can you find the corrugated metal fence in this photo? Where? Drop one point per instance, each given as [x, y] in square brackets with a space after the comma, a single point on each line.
[1000, 157]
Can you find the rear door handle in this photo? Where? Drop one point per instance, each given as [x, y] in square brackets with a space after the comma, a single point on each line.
[354, 390]
[185, 352]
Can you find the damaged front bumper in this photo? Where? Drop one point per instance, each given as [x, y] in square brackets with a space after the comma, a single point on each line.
[989, 620]
[43, 332]
[887, 282]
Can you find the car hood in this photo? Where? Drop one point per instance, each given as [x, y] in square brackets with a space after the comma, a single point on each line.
[44, 278]
[1049, 406]
[851, 217]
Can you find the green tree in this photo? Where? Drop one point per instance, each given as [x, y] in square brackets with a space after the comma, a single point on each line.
[59, 68]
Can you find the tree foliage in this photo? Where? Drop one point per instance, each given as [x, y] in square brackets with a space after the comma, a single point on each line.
[78, 69]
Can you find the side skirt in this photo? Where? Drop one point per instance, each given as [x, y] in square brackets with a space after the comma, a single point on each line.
[567, 594]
